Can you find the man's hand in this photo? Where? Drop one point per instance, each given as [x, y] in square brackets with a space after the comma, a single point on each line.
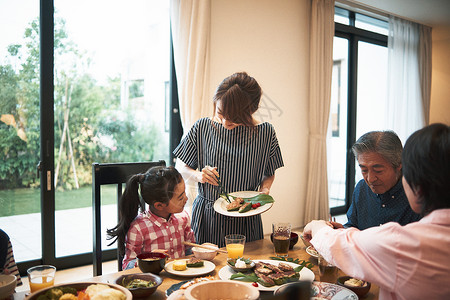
[335, 225]
[313, 227]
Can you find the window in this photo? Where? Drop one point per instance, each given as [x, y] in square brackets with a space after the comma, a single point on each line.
[106, 69]
[358, 86]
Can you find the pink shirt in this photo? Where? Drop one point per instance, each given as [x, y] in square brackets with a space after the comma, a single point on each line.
[406, 262]
[149, 232]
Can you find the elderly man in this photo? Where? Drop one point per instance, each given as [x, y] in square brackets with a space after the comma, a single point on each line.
[379, 197]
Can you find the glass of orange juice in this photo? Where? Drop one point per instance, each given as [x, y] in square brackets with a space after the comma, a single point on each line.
[235, 245]
[41, 277]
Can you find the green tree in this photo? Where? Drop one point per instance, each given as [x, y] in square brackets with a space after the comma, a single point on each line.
[87, 115]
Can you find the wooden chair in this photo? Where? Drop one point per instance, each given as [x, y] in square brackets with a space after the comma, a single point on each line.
[103, 174]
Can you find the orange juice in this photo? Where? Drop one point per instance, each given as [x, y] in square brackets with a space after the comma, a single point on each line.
[38, 283]
[235, 250]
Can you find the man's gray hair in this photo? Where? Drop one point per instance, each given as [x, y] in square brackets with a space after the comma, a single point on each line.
[385, 143]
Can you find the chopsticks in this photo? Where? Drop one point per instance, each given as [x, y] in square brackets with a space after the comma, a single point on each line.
[205, 247]
[222, 190]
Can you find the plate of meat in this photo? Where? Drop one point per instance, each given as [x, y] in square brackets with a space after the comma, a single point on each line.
[271, 274]
[243, 204]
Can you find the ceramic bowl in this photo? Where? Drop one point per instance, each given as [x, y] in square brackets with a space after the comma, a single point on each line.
[292, 242]
[202, 253]
[221, 289]
[358, 290]
[143, 291]
[247, 268]
[149, 262]
[79, 286]
[8, 286]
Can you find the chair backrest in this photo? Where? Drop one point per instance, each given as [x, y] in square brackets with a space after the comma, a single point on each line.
[110, 173]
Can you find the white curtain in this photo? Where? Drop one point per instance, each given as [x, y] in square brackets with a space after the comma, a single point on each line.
[321, 67]
[191, 26]
[409, 76]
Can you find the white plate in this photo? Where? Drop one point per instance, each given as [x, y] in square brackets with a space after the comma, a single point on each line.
[208, 267]
[220, 205]
[326, 291]
[311, 251]
[305, 274]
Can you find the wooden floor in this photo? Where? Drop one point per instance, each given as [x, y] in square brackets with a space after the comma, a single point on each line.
[74, 274]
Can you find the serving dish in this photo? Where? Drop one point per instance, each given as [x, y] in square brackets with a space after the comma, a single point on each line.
[220, 205]
[79, 286]
[358, 290]
[311, 251]
[221, 289]
[305, 273]
[247, 268]
[325, 291]
[140, 291]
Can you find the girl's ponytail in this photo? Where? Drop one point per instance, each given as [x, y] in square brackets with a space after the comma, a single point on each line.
[128, 205]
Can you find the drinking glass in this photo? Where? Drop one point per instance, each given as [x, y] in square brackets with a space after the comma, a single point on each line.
[41, 277]
[327, 271]
[235, 245]
[281, 238]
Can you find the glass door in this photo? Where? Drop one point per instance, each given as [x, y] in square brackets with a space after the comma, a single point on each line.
[89, 83]
[112, 68]
[20, 213]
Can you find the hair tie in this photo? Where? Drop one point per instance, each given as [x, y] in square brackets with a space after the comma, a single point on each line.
[141, 178]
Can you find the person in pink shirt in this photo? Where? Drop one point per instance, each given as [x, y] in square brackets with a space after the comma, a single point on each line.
[162, 228]
[411, 261]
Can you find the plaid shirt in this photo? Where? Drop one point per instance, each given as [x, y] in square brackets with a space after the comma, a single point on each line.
[149, 232]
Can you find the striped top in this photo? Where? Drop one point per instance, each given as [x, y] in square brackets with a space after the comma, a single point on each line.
[7, 263]
[242, 156]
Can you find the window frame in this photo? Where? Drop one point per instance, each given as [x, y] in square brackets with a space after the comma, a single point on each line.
[353, 35]
[46, 167]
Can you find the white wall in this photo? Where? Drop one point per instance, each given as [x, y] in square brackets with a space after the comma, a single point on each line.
[440, 76]
[270, 41]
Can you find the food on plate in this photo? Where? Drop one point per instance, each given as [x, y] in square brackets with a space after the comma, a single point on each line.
[195, 281]
[353, 282]
[103, 292]
[245, 207]
[235, 204]
[179, 265]
[240, 262]
[138, 283]
[194, 262]
[92, 292]
[269, 275]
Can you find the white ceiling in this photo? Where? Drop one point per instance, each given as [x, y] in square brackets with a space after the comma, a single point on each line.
[428, 12]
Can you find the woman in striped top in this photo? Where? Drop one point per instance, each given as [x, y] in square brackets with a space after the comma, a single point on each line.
[233, 145]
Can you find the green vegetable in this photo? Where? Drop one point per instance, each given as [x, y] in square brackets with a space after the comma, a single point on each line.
[232, 261]
[42, 297]
[54, 293]
[137, 283]
[69, 290]
[245, 207]
[195, 265]
[261, 198]
[302, 263]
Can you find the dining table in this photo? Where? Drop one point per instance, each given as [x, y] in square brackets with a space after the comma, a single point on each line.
[256, 250]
